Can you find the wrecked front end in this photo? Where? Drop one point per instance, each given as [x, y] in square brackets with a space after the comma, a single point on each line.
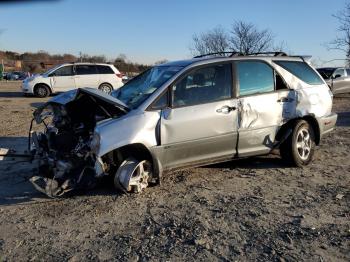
[63, 140]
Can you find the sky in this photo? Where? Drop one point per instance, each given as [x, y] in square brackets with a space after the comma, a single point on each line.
[147, 31]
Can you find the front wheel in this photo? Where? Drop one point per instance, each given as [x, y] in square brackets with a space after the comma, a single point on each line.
[41, 91]
[133, 175]
[299, 148]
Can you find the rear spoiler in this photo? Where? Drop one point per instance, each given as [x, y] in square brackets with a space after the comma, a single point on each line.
[305, 58]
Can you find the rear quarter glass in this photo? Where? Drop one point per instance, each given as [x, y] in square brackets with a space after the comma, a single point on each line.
[302, 71]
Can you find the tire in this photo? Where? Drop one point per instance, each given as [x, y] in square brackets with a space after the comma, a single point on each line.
[107, 88]
[299, 147]
[41, 91]
[133, 176]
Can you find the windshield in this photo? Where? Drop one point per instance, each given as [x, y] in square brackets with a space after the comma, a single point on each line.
[137, 90]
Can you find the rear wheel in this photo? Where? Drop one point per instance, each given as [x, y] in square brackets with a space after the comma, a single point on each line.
[41, 91]
[107, 88]
[299, 148]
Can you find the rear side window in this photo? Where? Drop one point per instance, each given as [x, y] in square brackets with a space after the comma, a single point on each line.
[301, 70]
[340, 72]
[104, 70]
[85, 69]
[255, 77]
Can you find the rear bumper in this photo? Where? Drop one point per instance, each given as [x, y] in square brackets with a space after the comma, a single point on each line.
[327, 123]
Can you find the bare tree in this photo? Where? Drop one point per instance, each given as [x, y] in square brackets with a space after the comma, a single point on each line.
[92, 59]
[246, 38]
[213, 41]
[159, 62]
[342, 41]
[121, 58]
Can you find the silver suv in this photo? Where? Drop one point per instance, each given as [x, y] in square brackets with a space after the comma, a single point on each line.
[194, 112]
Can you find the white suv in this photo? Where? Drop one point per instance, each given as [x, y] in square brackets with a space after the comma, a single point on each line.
[73, 75]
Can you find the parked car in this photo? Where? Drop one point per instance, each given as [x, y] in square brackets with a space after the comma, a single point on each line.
[326, 72]
[16, 75]
[70, 76]
[339, 81]
[179, 114]
[4, 75]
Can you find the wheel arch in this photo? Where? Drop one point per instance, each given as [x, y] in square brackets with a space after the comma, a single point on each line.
[310, 119]
[138, 151]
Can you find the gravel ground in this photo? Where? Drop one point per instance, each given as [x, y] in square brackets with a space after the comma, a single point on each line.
[251, 209]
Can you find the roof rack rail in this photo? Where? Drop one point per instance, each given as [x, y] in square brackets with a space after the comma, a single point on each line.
[235, 53]
[279, 53]
[305, 58]
[231, 53]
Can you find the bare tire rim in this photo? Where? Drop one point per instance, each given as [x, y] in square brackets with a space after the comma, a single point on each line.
[303, 143]
[133, 175]
[41, 91]
[105, 88]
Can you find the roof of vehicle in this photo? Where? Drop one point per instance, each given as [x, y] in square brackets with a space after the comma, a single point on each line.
[214, 57]
[86, 63]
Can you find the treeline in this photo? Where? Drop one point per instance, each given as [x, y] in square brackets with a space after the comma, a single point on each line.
[42, 60]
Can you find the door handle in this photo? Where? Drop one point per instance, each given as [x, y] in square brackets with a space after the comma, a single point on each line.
[284, 100]
[226, 109]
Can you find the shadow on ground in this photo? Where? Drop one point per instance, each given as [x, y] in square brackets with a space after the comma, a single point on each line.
[37, 104]
[11, 94]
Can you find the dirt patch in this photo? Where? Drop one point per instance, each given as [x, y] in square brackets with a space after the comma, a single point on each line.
[251, 209]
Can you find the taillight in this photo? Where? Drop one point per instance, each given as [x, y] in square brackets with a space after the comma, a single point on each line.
[119, 75]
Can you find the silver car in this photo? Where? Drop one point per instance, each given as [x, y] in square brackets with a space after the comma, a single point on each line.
[339, 82]
[180, 114]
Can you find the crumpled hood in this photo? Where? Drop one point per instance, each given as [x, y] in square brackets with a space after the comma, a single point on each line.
[70, 96]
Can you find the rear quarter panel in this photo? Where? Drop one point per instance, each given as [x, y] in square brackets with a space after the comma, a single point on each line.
[315, 100]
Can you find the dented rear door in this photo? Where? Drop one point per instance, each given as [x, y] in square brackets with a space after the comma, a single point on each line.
[262, 109]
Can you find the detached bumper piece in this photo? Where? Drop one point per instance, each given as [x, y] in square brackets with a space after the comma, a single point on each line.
[50, 187]
[55, 188]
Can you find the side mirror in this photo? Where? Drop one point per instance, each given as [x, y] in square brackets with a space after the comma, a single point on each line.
[52, 74]
[167, 113]
[336, 76]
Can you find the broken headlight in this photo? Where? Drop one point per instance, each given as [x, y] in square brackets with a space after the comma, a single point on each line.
[95, 143]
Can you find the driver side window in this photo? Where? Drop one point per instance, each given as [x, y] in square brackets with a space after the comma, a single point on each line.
[64, 71]
[204, 85]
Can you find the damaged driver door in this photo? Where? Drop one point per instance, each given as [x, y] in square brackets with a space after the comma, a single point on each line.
[201, 124]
